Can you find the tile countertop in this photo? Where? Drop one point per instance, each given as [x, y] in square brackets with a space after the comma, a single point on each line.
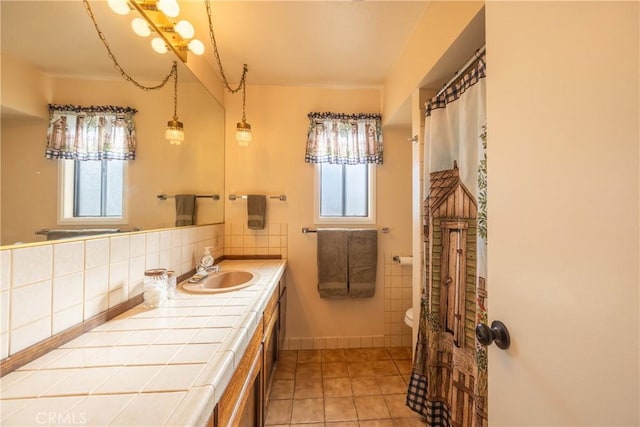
[163, 366]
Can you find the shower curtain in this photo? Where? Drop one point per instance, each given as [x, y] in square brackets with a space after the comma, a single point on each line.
[448, 385]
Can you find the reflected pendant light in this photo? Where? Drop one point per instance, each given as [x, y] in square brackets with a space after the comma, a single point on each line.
[175, 130]
[243, 129]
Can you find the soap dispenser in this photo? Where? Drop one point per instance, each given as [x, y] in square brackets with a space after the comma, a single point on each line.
[206, 263]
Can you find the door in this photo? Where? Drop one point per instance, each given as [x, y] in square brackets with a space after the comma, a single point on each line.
[563, 251]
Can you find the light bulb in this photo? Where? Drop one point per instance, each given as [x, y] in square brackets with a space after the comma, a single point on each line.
[140, 27]
[159, 45]
[196, 46]
[185, 29]
[121, 7]
[169, 8]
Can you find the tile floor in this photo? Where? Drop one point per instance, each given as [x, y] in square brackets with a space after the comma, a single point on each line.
[342, 388]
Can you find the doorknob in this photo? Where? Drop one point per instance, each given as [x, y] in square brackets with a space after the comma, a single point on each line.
[498, 332]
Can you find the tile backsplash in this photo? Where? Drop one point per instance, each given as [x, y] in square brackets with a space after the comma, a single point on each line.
[48, 287]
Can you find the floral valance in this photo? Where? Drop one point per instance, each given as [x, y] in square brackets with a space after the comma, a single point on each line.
[91, 133]
[344, 138]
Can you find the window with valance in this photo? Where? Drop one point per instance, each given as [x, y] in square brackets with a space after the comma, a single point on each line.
[91, 133]
[346, 139]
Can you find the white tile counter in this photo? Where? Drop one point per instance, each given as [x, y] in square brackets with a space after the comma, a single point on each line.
[163, 366]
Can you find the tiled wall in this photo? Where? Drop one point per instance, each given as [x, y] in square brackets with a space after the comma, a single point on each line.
[398, 280]
[397, 299]
[46, 288]
[240, 240]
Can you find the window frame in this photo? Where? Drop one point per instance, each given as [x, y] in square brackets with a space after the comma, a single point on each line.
[371, 208]
[66, 197]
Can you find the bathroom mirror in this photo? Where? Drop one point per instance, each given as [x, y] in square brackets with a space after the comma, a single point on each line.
[51, 53]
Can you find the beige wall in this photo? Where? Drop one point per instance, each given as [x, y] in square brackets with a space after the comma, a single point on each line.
[29, 181]
[563, 109]
[274, 164]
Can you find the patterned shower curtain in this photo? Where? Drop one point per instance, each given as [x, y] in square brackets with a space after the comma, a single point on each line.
[448, 384]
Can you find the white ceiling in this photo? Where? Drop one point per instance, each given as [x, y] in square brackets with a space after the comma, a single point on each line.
[301, 43]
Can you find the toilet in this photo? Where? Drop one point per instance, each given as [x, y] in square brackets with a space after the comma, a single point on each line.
[408, 317]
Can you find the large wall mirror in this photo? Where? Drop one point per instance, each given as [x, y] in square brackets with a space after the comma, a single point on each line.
[51, 53]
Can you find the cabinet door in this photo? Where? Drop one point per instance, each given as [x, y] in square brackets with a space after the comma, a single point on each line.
[270, 346]
[282, 322]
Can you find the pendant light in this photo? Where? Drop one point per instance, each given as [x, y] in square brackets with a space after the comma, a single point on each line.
[175, 130]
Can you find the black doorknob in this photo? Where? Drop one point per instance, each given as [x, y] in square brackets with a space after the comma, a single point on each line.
[498, 332]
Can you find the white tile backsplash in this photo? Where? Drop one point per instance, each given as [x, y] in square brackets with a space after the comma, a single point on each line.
[31, 264]
[96, 282]
[5, 297]
[30, 303]
[25, 336]
[66, 318]
[119, 248]
[68, 258]
[137, 245]
[68, 291]
[5, 270]
[50, 287]
[96, 253]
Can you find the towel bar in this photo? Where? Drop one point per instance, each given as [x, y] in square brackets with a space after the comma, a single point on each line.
[306, 230]
[281, 197]
[199, 196]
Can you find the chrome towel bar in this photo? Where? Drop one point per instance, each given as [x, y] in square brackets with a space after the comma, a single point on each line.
[306, 230]
[281, 197]
[199, 196]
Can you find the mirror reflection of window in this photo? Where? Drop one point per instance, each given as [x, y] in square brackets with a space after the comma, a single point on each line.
[98, 188]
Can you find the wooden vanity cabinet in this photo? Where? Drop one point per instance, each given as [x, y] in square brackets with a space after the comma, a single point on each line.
[244, 400]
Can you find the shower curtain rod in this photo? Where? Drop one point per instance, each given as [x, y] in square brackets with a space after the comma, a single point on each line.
[462, 70]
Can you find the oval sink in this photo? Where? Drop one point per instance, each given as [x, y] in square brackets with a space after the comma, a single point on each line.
[223, 281]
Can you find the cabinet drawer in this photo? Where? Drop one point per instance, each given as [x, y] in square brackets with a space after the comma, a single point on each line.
[269, 310]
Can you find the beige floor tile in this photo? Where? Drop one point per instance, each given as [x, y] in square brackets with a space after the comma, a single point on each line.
[308, 425]
[384, 367]
[307, 411]
[408, 422]
[376, 423]
[378, 354]
[365, 386]
[392, 384]
[400, 353]
[336, 387]
[342, 424]
[396, 403]
[360, 369]
[279, 412]
[285, 371]
[308, 370]
[306, 388]
[334, 370]
[355, 354]
[309, 356]
[404, 366]
[289, 356]
[371, 408]
[332, 355]
[339, 409]
[281, 389]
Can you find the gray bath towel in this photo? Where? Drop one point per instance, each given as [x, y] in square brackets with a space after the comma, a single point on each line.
[256, 210]
[363, 259]
[185, 209]
[332, 263]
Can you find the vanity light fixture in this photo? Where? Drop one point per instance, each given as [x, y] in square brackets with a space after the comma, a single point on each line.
[158, 16]
[175, 130]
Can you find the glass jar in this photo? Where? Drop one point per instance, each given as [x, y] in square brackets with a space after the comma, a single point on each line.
[171, 284]
[155, 287]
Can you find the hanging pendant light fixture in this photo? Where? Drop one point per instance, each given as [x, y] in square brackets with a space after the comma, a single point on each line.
[175, 129]
[243, 129]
